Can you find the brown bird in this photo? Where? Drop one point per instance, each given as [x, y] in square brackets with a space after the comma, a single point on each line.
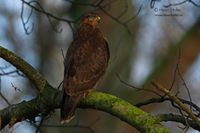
[85, 63]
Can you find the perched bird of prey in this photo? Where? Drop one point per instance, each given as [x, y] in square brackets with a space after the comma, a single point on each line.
[85, 63]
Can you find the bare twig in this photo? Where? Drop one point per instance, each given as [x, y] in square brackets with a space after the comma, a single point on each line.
[153, 2]
[181, 77]
[182, 2]
[5, 67]
[176, 4]
[5, 99]
[2, 96]
[123, 11]
[163, 99]
[3, 73]
[178, 118]
[27, 29]
[16, 89]
[49, 15]
[115, 19]
[7, 73]
[174, 76]
[134, 87]
[177, 101]
[102, 7]
[133, 17]
[177, 70]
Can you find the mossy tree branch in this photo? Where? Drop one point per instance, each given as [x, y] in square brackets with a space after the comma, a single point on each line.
[123, 110]
[32, 74]
[50, 99]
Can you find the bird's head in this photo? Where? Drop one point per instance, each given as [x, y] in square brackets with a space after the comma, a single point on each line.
[91, 19]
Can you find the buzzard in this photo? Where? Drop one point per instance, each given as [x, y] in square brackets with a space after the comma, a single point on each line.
[85, 63]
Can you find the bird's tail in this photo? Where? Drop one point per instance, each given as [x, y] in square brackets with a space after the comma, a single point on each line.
[68, 107]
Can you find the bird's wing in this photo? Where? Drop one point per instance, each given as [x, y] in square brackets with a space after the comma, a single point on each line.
[85, 66]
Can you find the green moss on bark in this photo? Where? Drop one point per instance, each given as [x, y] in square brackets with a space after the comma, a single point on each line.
[124, 111]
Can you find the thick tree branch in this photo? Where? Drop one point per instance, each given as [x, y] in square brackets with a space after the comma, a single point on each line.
[33, 75]
[123, 110]
[50, 99]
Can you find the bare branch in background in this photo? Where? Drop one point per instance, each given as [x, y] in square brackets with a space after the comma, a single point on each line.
[116, 19]
[153, 2]
[195, 108]
[178, 118]
[17, 89]
[176, 4]
[177, 71]
[182, 2]
[194, 3]
[40, 9]
[181, 77]
[35, 5]
[181, 105]
[10, 73]
[133, 17]
[5, 99]
[101, 6]
[137, 89]
[2, 96]
[5, 67]
[27, 29]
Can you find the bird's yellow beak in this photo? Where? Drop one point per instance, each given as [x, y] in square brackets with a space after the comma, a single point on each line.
[98, 19]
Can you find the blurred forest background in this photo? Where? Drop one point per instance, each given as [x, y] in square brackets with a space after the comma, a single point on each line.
[144, 45]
